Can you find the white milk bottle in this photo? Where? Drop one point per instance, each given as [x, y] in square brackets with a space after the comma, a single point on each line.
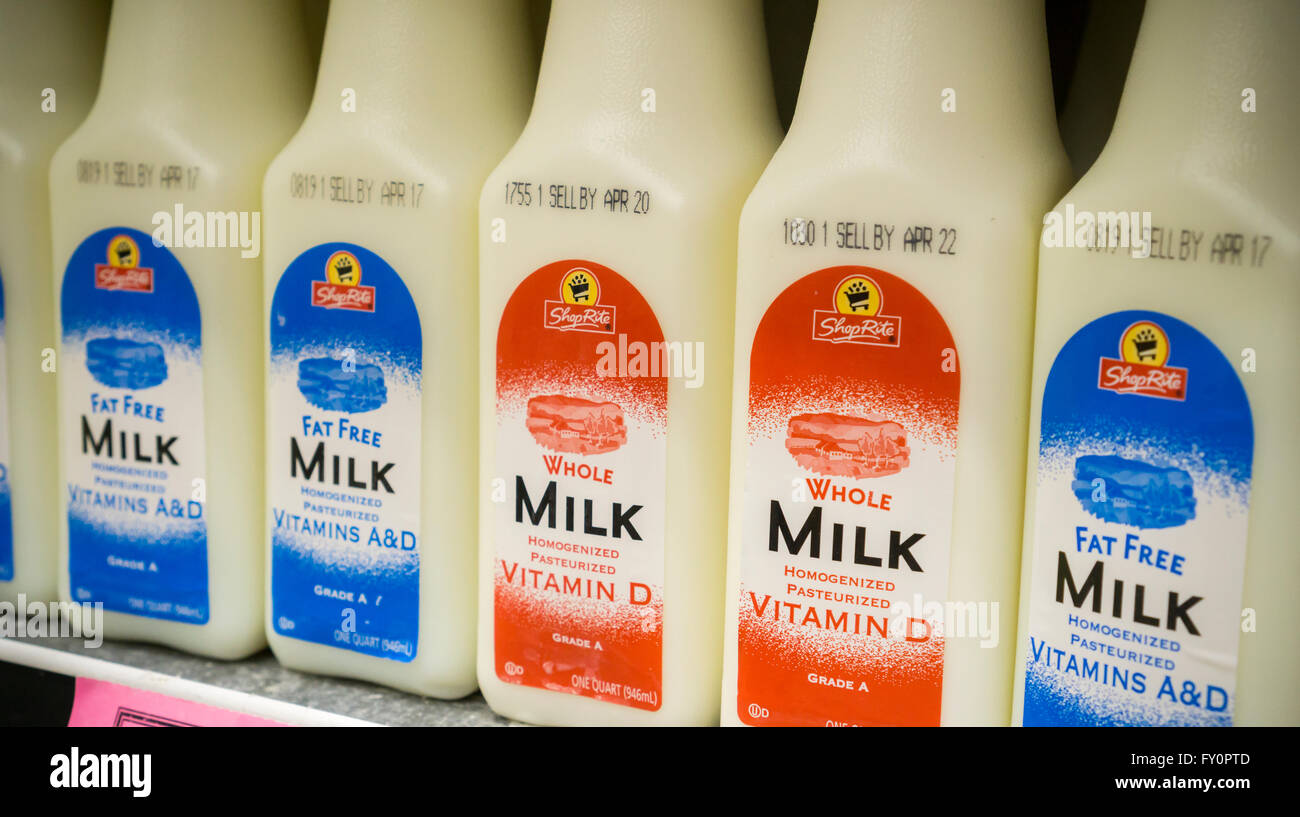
[53, 53]
[157, 234]
[371, 261]
[1160, 555]
[882, 368]
[608, 239]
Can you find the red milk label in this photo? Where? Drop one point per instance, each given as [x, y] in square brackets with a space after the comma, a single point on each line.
[847, 516]
[581, 446]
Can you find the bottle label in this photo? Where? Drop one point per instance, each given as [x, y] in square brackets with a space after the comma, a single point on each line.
[579, 487]
[6, 514]
[1139, 529]
[847, 514]
[343, 442]
[131, 384]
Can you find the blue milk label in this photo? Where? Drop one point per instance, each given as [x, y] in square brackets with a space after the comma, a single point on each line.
[131, 383]
[6, 518]
[1139, 529]
[343, 447]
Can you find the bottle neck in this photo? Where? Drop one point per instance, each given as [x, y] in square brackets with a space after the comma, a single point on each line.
[649, 68]
[1185, 103]
[431, 61]
[1098, 79]
[899, 80]
[229, 60]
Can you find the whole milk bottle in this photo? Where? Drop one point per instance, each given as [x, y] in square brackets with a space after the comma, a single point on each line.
[1160, 553]
[53, 53]
[155, 218]
[607, 258]
[883, 336]
[371, 283]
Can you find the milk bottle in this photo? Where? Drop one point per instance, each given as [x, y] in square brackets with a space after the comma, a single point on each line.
[371, 285]
[1160, 556]
[607, 251]
[156, 230]
[882, 367]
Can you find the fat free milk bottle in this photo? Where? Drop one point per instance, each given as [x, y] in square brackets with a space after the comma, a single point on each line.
[156, 231]
[883, 336]
[371, 290]
[607, 252]
[1160, 554]
[53, 53]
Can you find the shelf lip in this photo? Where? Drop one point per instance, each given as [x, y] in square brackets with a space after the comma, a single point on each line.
[80, 666]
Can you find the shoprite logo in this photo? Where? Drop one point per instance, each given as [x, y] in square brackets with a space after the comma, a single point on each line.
[123, 272]
[342, 287]
[1140, 368]
[579, 308]
[857, 316]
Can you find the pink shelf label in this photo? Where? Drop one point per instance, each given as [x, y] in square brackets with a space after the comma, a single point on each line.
[100, 703]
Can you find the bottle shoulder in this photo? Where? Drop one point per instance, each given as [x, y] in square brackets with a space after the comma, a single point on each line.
[449, 164]
[858, 185]
[145, 136]
[677, 170]
[1185, 197]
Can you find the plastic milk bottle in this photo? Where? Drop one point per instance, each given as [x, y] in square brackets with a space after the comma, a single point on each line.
[371, 291]
[607, 251]
[883, 334]
[1160, 554]
[155, 218]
